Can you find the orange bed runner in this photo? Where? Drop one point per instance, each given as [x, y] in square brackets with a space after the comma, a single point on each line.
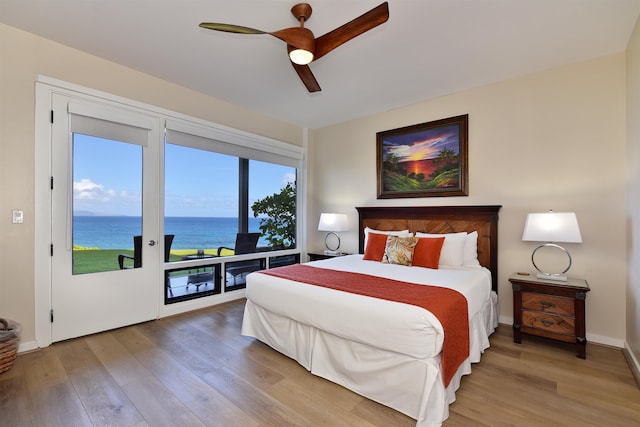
[448, 305]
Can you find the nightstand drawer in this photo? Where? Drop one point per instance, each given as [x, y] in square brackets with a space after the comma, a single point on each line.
[548, 303]
[549, 322]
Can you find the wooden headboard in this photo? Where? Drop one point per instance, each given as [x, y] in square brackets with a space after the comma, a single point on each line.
[440, 219]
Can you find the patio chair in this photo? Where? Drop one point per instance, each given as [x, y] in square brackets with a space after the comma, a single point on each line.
[246, 243]
[137, 252]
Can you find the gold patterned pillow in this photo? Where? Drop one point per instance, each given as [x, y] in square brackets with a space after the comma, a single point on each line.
[399, 250]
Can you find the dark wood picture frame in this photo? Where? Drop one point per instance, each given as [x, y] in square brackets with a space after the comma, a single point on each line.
[424, 160]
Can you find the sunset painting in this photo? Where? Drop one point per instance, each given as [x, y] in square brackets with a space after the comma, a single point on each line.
[423, 160]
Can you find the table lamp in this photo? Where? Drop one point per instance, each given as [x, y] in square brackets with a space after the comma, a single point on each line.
[333, 223]
[552, 227]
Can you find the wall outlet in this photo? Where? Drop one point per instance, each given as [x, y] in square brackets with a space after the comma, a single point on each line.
[17, 217]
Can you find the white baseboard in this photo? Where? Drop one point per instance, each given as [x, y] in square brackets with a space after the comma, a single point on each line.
[633, 362]
[27, 346]
[505, 320]
[611, 342]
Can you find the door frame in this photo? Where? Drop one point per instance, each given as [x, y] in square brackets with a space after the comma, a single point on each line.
[45, 90]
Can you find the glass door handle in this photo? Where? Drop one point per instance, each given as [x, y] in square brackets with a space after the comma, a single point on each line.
[152, 243]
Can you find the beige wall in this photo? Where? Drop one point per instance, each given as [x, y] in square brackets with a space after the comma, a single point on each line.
[633, 198]
[552, 140]
[22, 58]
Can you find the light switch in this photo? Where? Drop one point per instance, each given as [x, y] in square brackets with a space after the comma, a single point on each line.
[18, 217]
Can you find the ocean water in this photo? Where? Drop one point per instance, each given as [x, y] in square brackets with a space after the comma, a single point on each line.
[116, 232]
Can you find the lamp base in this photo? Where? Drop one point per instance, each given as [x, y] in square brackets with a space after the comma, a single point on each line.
[555, 278]
[332, 249]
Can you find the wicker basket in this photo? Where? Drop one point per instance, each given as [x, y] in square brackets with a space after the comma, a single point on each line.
[9, 341]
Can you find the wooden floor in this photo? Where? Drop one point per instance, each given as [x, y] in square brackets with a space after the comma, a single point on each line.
[196, 369]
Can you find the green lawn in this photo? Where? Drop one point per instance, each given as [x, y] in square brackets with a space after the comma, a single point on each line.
[97, 260]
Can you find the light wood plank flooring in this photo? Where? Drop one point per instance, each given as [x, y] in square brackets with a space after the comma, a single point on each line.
[196, 369]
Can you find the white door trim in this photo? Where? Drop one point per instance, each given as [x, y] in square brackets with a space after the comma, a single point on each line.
[43, 197]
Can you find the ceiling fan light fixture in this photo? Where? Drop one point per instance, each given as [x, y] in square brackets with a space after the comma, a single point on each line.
[301, 56]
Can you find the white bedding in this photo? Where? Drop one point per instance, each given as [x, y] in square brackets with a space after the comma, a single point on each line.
[384, 350]
[387, 325]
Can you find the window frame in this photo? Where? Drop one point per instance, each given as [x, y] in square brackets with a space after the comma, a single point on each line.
[222, 282]
[245, 148]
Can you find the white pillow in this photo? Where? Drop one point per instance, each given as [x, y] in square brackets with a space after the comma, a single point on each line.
[452, 252]
[471, 250]
[400, 233]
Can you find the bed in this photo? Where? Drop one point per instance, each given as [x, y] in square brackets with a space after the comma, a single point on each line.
[383, 348]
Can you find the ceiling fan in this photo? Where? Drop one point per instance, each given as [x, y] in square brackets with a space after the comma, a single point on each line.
[303, 46]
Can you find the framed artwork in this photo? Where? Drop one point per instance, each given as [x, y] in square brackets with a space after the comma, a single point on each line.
[424, 160]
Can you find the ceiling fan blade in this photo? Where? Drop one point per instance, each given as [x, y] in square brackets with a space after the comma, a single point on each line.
[307, 77]
[229, 28]
[331, 40]
[298, 37]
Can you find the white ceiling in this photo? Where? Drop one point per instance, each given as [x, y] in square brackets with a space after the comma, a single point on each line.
[428, 48]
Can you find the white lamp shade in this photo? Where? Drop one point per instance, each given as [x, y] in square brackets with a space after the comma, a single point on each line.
[332, 222]
[552, 227]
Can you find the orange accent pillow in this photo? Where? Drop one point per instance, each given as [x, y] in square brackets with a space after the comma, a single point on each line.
[376, 244]
[427, 252]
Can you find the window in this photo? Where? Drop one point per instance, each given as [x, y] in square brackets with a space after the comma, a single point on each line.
[191, 282]
[201, 200]
[272, 201]
[104, 220]
[216, 195]
[106, 158]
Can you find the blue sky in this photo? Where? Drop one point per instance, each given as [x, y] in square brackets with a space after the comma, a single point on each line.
[107, 178]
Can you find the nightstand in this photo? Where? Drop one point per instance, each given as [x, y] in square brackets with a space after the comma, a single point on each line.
[317, 256]
[550, 309]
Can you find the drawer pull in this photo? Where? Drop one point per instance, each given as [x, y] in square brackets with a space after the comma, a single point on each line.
[547, 322]
[547, 304]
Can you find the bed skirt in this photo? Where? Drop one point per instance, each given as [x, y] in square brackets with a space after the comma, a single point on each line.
[407, 384]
